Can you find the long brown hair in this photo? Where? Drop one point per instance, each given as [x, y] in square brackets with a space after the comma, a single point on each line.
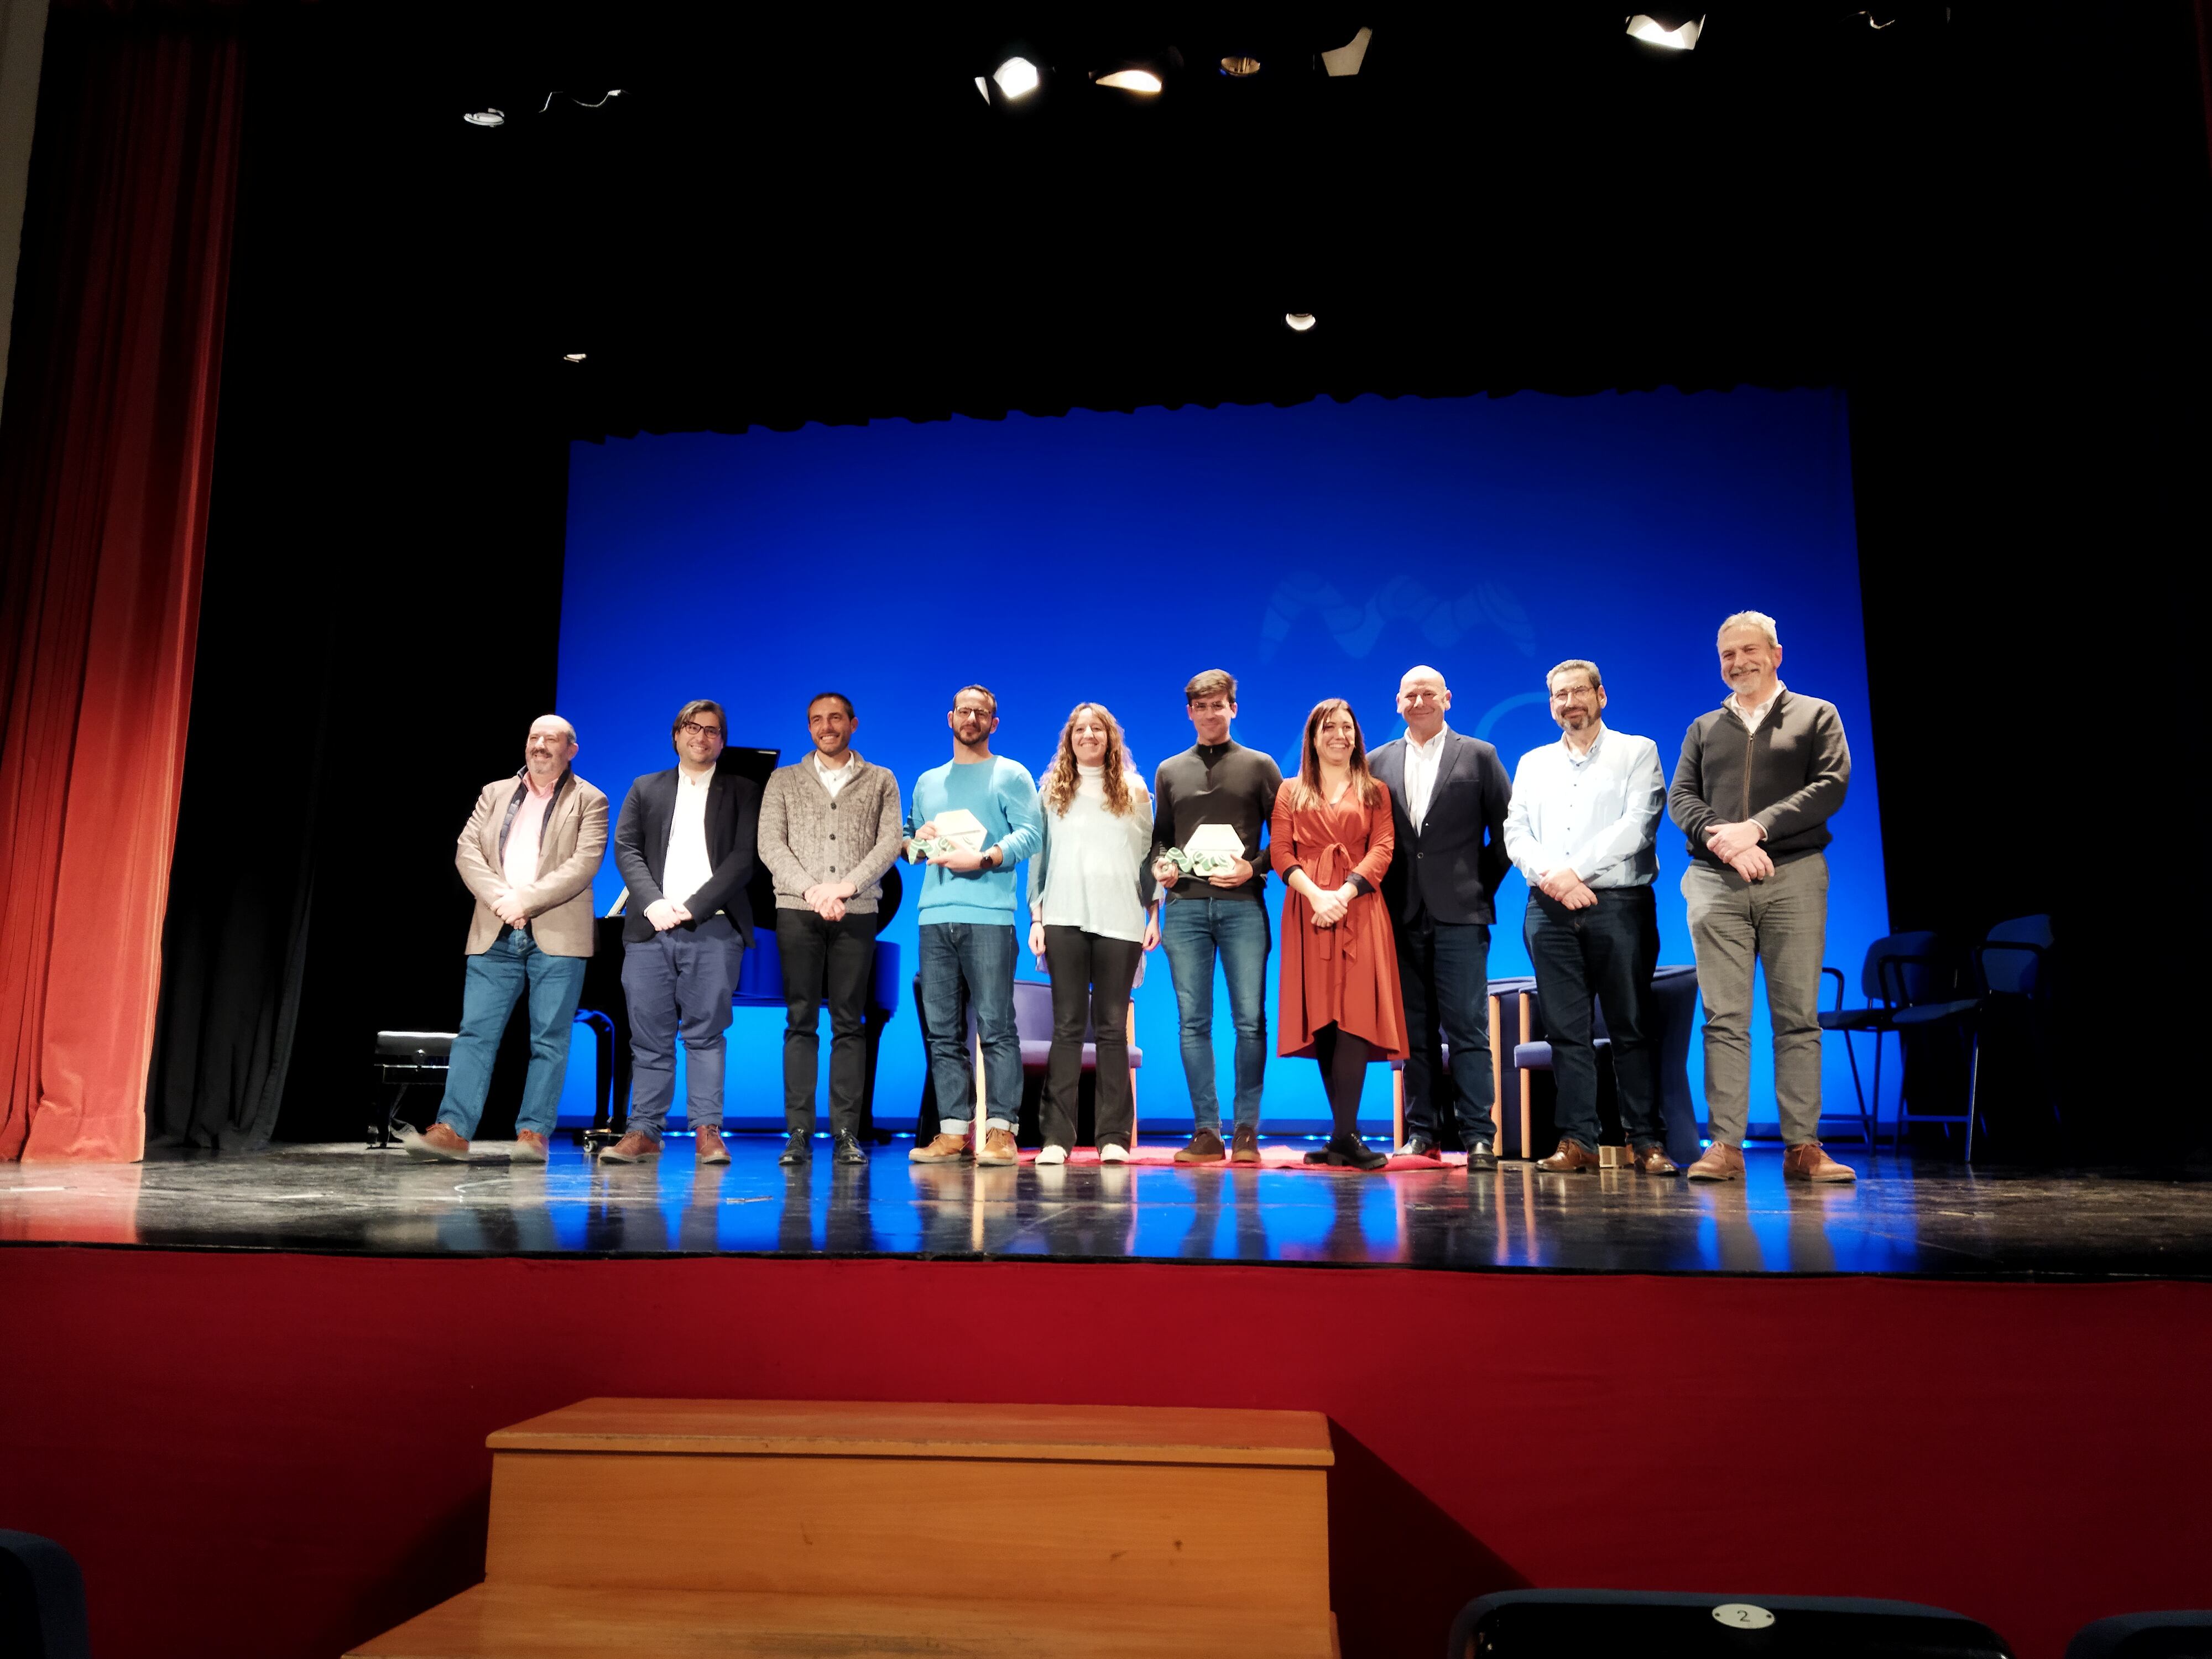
[1306, 789]
[1061, 780]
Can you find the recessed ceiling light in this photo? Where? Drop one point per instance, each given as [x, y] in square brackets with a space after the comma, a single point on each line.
[571, 357]
[1240, 67]
[486, 118]
[1132, 80]
[1017, 77]
[1300, 321]
[1646, 27]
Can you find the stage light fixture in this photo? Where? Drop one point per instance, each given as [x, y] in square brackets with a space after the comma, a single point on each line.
[571, 357]
[1656, 32]
[486, 118]
[1237, 67]
[1132, 80]
[983, 88]
[1299, 321]
[1347, 58]
[1017, 77]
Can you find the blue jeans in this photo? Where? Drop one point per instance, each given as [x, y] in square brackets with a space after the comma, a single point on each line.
[981, 955]
[511, 963]
[1444, 972]
[679, 981]
[1196, 933]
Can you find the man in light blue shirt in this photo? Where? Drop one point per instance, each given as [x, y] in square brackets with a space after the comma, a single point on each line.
[966, 916]
[1580, 827]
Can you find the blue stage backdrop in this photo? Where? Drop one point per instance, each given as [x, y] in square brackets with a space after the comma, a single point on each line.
[1312, 551]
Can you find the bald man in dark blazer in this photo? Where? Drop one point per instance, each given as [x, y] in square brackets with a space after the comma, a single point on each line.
[1448, 798]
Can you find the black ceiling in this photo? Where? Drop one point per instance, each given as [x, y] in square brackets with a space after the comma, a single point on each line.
[813, 214]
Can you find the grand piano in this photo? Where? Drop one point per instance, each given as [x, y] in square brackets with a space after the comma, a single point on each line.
[760, 985]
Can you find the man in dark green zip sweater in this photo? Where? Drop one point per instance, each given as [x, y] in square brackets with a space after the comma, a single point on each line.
[1758, 779]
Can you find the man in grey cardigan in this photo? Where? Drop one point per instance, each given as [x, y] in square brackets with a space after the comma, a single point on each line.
[830, 826]
[1758, 780]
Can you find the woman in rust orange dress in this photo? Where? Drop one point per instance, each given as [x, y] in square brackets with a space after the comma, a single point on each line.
[1340, 1000]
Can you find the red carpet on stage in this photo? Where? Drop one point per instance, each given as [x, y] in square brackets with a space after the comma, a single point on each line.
[279, 1454]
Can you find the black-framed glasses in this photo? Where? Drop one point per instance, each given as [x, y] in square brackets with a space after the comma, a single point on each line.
[693, 729]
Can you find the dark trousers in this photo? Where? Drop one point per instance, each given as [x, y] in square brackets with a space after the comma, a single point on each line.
[679, 981]
[1090, 976]
[1607, 950]
[1444, 970]
[835, 959]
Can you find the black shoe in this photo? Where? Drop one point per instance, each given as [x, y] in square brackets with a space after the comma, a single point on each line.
[798, 1148]
[846, 1148]
[1350, 1153]
[1480, 1155]
[1418, 1146]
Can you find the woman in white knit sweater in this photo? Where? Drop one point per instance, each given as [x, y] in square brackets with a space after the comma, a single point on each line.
[1093, 914]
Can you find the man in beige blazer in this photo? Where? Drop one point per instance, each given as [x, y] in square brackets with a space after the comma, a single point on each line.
[528, 853]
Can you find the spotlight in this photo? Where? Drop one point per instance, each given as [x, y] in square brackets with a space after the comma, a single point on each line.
[486, 118]
[1299, 321]
[1347, 58]
[983, 88]
[1681, 37]
[1132, 80]
[571, 357]
[1238, 68]
[1017, 77]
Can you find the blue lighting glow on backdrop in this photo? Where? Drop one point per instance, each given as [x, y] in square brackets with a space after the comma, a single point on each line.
[1312, 551]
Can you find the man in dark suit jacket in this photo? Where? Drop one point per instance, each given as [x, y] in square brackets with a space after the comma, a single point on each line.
[1448, 799]
[684, 844]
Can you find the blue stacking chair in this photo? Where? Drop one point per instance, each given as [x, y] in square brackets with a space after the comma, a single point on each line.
[2009, 965]
[1899, 970]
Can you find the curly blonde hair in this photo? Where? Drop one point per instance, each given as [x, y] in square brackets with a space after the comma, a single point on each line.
[1061, 780]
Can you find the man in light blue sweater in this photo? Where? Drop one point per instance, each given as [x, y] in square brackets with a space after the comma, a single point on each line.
[966, 916]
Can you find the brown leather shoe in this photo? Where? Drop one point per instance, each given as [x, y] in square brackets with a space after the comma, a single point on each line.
[945, 1149]
[1572, 1158]
[635, 1148]
[1204, 1147]
[709, 1148]
[437, 1145]
[1807, 1161]
[529, 1148]
[1244, 1144]
[1653, 1160]
[999, 1147]
[1720, 1162]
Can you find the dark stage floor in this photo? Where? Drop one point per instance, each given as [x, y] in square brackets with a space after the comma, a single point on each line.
[1906, 1216]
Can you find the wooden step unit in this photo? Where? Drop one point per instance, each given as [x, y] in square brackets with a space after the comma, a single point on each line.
[771, 1527]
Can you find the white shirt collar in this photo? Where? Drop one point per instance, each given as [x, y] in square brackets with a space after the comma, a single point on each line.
[1432, 747]
[1757, 710]
[1588, 754]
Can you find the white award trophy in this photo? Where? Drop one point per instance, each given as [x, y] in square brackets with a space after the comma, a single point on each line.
[1217, 839]
[961, 827]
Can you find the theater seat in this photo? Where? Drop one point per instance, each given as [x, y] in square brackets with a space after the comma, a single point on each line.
[41, 1600]
[1539, 1624]
[2144, 1635]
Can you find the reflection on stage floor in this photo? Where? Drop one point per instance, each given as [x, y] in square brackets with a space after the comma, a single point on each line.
[1906, 1216]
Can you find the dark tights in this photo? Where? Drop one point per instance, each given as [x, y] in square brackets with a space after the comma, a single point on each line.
[1343, 1059]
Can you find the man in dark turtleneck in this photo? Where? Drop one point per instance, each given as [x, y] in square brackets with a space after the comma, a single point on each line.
[1220, 917]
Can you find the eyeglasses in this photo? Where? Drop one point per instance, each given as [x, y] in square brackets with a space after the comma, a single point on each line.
[1571, 693]
[693, 729]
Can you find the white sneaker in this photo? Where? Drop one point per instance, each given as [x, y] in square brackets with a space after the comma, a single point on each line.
[1114, 1154]
[1052, 1155]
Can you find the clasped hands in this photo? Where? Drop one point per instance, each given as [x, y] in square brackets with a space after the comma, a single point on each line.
[664, 913]
[1240, 872]
[1562, 886]
[508, 908]
[1737, 846]
[1330, 908]
[827, 899]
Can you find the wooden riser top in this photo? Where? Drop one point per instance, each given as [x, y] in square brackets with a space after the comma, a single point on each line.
[495, 1621]
[812, 1428]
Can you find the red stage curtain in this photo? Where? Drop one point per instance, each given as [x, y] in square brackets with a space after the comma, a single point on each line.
[105, 461]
